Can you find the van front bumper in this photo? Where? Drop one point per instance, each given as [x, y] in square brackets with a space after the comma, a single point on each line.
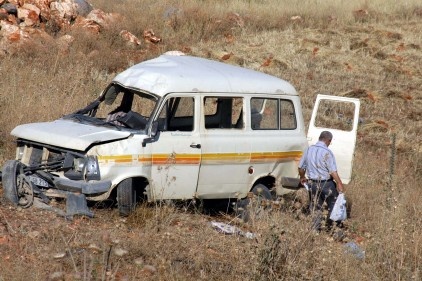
[89, 188]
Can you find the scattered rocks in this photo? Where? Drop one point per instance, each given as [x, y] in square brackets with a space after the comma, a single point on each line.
[33, 234]
[149, 270]
[58, 275]
[94, 248]
[139, 261]
[24, 22]
[59, 255]
[120, 252]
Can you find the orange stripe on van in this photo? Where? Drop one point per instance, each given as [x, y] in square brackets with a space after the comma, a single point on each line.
[217, 158]
[209, 158]
[258, 157]
[177, 159]
[125, 158]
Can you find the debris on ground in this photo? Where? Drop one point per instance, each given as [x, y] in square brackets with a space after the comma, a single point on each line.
[230, 229]
[354, 249]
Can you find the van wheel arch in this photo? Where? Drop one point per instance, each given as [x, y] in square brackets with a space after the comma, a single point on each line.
[244, 209]
[268, 182]
[129, 192]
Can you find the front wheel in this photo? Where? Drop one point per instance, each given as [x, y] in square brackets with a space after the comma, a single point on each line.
[126, 197]
[17, 187]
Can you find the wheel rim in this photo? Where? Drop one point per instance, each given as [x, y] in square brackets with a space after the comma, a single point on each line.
[24, 190]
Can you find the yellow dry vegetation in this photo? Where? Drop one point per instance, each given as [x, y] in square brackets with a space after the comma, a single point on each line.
[370, 50]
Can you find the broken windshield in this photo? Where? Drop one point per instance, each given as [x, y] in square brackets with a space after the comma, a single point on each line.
[118, 107]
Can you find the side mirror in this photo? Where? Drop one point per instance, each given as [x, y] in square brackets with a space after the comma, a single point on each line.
[154, 128]
[154, 134]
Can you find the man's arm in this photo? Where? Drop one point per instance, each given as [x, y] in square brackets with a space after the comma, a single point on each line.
[336, 177]
[302, 175]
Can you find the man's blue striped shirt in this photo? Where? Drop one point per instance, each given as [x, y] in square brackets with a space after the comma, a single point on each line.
[318, 161]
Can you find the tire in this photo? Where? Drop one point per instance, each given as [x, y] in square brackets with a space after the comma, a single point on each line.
[18, 188]
[246, 207]
[9, 174]
[126, 197]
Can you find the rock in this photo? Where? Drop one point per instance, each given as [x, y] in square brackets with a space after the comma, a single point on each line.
[4, 240]
[65, 9]
[102, 18]
[83, 7]
[58, 275]
[59, 255]
[64, 43]
[149, 269]
[149, 36]
[86, 24]
[43, 6]
[120, 252]
[139, 261]
[29, 14]
[130, 38]
[95, 248]
[33, 234]
[3, 14]
[10, 33]
[10, 8]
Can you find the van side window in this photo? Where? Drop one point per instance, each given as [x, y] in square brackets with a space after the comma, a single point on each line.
[223, 113]
[287, 115]
[272, 114]
[264, 114]
[177, 114]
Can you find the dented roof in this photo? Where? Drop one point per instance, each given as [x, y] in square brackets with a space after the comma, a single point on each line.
[181, 73]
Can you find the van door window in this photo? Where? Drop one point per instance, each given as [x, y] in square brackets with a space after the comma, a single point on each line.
[223, 113]
[336, 115]
[272, 114]
[177, 114]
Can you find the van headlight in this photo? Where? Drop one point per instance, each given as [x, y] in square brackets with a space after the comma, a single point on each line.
[82, 168]
[19, 152]
[79, 164]
[92, 170]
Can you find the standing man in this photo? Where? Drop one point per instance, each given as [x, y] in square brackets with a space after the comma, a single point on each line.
[319, 164]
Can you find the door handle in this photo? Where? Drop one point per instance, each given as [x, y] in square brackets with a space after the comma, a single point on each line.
[198, 145]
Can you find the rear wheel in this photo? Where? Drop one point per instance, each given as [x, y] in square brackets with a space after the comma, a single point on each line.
[254, 203]
[126, 197]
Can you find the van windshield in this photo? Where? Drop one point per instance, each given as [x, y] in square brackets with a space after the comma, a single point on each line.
[119, 108]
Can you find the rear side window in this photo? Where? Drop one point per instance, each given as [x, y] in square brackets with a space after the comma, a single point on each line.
[223, 113]
[272, 114]
[287, 115]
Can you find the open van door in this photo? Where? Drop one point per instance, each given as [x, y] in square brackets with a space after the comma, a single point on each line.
[340, 116]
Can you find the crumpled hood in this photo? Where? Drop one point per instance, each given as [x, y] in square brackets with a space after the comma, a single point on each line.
[67, 134]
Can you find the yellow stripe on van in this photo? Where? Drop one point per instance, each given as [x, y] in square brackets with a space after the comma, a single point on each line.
[178, 159]
[125, 158]
[209, 158]
[258, 157]
[215, 158]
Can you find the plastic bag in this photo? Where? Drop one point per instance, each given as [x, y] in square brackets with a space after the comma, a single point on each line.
[339, 212]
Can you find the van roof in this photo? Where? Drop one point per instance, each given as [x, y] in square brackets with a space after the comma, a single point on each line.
[180, 73]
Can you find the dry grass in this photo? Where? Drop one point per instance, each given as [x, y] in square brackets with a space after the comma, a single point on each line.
[374, 55]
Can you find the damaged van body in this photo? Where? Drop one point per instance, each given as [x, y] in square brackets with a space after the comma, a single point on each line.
[174, 127]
